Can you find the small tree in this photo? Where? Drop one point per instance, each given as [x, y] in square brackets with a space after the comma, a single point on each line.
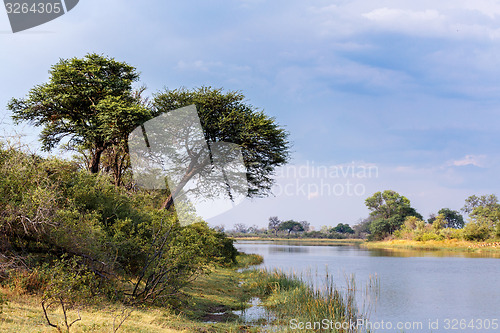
[306, 225]
[453, 219]
[439, 223]
[240, 228]
[290, 226]
[274, 224]
[343, 229]
[389, 210]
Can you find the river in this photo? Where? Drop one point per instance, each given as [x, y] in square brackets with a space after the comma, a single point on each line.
[421, 291]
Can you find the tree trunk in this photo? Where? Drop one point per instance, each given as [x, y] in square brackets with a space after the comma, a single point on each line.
[96, 160]
[168, 203]
[192, 170]
[170, 200]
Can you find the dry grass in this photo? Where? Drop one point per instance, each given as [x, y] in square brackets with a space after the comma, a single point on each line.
[24, 314]
[219, 291]
[444, 245]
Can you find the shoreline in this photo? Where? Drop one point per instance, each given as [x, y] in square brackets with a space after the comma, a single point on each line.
[312, 241]
[448, 245]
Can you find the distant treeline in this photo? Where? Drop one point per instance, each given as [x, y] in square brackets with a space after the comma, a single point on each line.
[292, 229]
[392, 216]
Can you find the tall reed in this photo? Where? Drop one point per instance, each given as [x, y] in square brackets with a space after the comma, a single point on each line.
[291, 296]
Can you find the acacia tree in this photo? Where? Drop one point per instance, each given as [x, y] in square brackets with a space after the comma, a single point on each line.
[343, 229]
[226, 117]
[290, 226]
[90, 102]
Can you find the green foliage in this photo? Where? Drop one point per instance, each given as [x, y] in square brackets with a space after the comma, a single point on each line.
[50, 208]
[389, 210]
[89, 100]
[453, 219]
[484, 213]
[427, 236]
[289, 296]
[452, 233]
[226, 117]
[71, 285]
[343, 229]
[388, 204]
[473, 202]
[476, 231]
[290, 226]
[70, 279]
[439, 223]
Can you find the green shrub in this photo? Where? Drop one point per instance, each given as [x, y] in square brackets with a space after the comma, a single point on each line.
[50, 208]
[427, 236]
[451, 233]
[476, 231]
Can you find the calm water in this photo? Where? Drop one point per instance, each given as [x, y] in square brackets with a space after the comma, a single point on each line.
[415, 287]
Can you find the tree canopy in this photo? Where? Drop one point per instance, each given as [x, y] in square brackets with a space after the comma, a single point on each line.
[226, 117]
[485, 201]
[88, 101]
[90, 106]
[389, 210]
[453, 219]
[290, 226]
[343, 229]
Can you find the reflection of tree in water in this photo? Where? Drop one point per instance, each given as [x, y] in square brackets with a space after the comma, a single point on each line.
[289, 249]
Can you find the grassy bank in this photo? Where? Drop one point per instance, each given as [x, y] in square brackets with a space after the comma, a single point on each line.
[210, 298]
[434, 245]
[207, 305]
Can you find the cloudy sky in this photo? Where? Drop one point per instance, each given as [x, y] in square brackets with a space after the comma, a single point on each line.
[409, 90]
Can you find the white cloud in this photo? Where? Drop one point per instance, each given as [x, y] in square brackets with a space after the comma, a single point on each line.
[475, 160]
[400, 16]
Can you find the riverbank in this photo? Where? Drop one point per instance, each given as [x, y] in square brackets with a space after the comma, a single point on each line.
[212, 303]
[433, 245]
[450, 245]
[206, 305]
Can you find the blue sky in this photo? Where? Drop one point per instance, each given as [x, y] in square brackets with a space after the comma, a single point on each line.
[410, 87]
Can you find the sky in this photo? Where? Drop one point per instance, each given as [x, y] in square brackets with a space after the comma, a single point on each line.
[376, 95]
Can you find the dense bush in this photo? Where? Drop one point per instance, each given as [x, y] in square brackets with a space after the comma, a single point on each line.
[50, 208]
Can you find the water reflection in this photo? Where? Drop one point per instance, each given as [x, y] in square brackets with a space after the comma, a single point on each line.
[289, 249]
